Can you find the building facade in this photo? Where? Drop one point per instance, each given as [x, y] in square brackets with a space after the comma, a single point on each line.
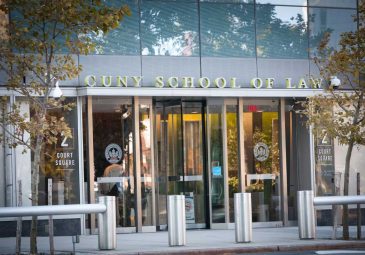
[196, 98]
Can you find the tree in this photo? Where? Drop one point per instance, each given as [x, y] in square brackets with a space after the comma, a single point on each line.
[37, 48]
[340, 114]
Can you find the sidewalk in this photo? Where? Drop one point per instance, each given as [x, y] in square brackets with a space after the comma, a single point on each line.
[198, 242]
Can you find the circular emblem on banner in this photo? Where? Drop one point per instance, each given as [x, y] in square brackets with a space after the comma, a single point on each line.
[113, 153]
[261, 151]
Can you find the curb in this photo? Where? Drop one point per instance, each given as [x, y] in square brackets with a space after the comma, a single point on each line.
[260, 249]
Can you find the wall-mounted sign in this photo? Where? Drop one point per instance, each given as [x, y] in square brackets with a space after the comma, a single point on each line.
[113, 153]
[65, 155]
[325, 165]
[198, 82]
[189, 208]
[261, 151]
[216, 168]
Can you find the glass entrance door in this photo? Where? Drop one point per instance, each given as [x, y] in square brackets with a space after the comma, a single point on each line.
[179, 138]
[261, 129]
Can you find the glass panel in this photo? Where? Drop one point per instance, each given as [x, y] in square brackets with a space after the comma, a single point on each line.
[233, 156]
[193, 158]
[161, 172]
[169, 28]
[215, 127]
[227, 30]
[283, 2]
[325, 167]
[5, 183]
[113, 154]
[334, 21]
[180, 157]
[281, 32]
[123, 40]
[60, 164]
[333, 3]
[146, 164]
[229, 1]
[170, 155]
[260, 120]
[292, 153]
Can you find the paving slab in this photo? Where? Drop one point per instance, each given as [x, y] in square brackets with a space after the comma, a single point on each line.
[198, 242]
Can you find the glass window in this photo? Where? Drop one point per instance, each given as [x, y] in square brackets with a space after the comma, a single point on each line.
[169, 28]
[227, 30]
[281, 32]
[283, 2]
[333, 3]
[60, 163]
[334, 21]
[123, 40]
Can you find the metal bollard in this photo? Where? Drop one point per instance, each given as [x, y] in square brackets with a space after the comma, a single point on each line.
[107, 224]
[306, 217]
[176, 220]
[243, 217]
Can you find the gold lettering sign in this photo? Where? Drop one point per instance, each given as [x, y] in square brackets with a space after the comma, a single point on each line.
[202, 82]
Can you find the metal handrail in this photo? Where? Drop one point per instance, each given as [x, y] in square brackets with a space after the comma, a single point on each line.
[306, 210]
[52, 210]
[339, 200]
[106, 216]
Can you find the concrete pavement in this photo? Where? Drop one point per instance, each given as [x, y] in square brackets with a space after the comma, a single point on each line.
[198, 242]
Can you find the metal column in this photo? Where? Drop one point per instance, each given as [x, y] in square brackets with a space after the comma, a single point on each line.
[107, 224]
[176, 220]
[306, 216]
[243, 217]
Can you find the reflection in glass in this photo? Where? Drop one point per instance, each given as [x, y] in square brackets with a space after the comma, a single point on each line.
[170, 156]
[169, 28]
[113, 154]
[229, 1]
[283, 2]
[281, 32]
[193, 167]
[59, 164]
[333, 21]
[260, 120]
[215, 129]
[124, 40]
[179, 136]
[233, 156]
[146, 164]
[333, 3]
[227, 30]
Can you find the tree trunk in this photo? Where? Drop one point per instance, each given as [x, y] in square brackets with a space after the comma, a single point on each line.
[34, 187]
[345, 215]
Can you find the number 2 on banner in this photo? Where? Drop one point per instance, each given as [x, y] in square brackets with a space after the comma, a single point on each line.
[325, 139]
[64, 141]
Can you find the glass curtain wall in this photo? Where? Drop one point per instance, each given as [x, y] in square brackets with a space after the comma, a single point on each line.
[169, 28]
[261, 141]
